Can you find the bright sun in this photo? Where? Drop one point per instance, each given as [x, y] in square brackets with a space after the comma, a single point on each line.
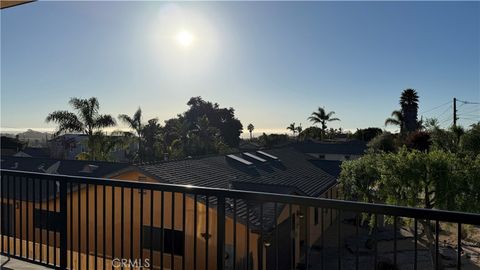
[184, 38]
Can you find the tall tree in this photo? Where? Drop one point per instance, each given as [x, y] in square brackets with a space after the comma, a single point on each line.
[395, 120]
[409, 108]
[135, 123]
[86, 119]
[250, 128]
[152, 140]
[292, 128]
[322, 117]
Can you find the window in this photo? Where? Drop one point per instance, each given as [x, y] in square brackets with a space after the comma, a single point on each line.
[315, 216]
[347, 157]
[46, 220]
[321, 156]
[172, 237]
[8, 213]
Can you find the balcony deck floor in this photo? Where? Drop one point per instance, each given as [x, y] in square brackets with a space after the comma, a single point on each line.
[14, 264]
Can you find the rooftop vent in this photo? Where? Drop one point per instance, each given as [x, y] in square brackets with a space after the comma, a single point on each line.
[238, 160]
[254, 158]
[89, 168]
[267, 155]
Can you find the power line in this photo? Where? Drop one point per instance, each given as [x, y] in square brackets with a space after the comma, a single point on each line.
[467, 102]
[434, 108]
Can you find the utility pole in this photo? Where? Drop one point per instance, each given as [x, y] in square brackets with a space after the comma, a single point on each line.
[454, 112]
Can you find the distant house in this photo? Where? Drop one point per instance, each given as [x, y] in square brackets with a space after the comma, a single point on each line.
[333, 150]
[35, 152]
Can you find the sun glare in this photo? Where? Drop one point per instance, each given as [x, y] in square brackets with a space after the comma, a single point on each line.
[184, 38]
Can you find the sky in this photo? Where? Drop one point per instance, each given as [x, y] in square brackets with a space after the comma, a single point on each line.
[273, 62]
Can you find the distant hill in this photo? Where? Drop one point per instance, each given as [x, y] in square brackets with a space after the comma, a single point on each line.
[31, 137]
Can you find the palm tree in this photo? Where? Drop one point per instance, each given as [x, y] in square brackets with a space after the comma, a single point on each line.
[395, 120]
[299, 129]
[292, 128]
[250, 128]
[85, 119]
[409, 105]
[321, 117]
[135, 123]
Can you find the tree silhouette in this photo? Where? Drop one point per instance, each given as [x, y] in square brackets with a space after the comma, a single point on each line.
[409, 108]
[395, 120]
[135, 123]
[250, 128]
[321, 117]
[85, 119]
[292, 128]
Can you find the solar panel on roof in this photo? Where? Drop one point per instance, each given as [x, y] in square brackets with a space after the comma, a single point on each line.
[254, 157]
[239, 160]
[267, 155]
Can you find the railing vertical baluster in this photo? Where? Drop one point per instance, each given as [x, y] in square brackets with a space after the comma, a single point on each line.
[14, 194]
[248, 236]
[275, 217]
[220, 233]
[45, 220]
[459, 246]
[79, 225]
[162, 215]
[39, 227]
[322, 238]
[375, 231]
[141, 225]
[20, 193]
[122, 220]
[95, 229]
[207, 230]
[184, 222]
[195, 231]
[234, 233]
[172, 255]
[260, 255]
[87, 225]
[34, 244]
[71, 225]
[357, 240]
[306, 243]
[104, 215]
[55, 230]
[339, 244]
[395, 240]
[113, 222]
[131, 224]
[27, 216]
[437, 235]
[63, 224]
[151, 224]
[415, 243]
[2, 216]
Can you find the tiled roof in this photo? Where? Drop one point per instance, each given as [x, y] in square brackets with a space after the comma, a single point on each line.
[53, 166]
[292, 170]
[87, 168]
[353, 147]
[33, 152]
[293, 173]
[332, 167]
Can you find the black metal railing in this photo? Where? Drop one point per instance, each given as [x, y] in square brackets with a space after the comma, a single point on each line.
[67, 222]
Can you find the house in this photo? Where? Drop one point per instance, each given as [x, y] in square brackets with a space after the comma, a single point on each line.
[10, 146]
[128, 233]
[282, 170]
[333, 150]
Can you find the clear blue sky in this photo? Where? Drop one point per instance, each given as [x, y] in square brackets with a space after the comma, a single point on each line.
[273, 62]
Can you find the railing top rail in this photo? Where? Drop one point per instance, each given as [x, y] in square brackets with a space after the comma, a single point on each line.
[401, 211]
